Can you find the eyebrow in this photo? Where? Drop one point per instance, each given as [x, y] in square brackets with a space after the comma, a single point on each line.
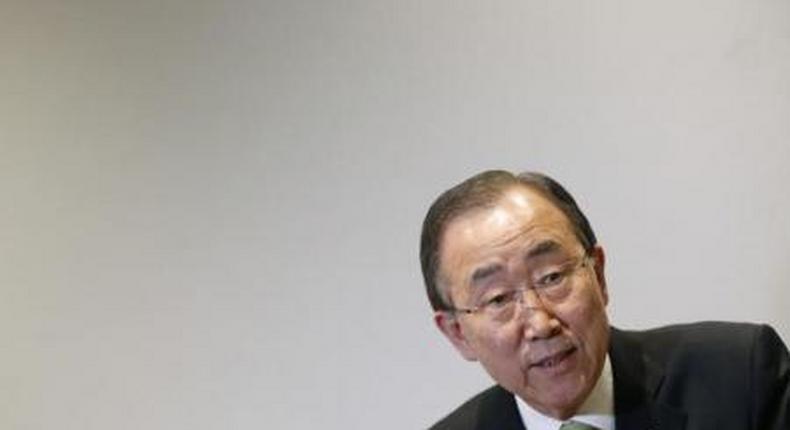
[542, 248]
[485, 272]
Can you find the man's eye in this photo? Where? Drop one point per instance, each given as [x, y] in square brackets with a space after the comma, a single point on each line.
[500, 299]
[551, 278]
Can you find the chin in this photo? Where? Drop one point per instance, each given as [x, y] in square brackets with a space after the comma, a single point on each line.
[558, 398]
[558, 403]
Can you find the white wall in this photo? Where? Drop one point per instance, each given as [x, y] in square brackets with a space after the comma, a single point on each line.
[211, 209]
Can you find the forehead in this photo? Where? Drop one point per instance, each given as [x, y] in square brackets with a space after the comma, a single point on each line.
[520, 218]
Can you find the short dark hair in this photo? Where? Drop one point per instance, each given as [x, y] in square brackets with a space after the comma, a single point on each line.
[480, 191]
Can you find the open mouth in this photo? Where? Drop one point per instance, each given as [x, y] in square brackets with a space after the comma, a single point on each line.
[554, 360]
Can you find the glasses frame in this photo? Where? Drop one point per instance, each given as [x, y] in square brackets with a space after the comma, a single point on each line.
[522, 290]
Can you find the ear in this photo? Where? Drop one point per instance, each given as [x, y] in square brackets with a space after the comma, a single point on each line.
[600, 262]
[451, 327]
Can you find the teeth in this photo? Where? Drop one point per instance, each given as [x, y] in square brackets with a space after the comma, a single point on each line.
[552, 361]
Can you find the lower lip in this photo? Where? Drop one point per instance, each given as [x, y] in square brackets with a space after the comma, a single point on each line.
[559, 364]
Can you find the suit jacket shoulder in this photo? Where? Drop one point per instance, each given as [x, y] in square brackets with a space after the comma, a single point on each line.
[700, 376]
[494, 408]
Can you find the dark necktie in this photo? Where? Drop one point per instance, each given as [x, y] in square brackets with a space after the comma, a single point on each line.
[575, 425]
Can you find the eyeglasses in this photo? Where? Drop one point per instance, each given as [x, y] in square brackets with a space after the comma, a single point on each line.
[552, 283]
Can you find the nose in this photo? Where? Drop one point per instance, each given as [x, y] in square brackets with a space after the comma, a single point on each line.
[539, 320]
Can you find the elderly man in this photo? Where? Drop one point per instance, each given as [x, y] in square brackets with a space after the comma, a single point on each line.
[516, 279]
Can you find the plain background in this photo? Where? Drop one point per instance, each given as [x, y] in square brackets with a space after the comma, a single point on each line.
[211, 209]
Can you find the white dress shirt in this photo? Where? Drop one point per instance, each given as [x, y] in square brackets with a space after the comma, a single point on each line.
[597, 410]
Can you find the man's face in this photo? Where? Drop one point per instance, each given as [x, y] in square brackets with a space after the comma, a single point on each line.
[550, 354]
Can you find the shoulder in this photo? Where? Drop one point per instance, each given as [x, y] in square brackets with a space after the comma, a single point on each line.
[708, 336]
[493, 407]
[705, 352]
[740, 370]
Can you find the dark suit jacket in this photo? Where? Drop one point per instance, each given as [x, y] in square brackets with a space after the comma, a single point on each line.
[702, 376]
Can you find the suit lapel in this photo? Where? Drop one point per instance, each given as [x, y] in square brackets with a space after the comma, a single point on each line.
[637, 379]
[499, 411]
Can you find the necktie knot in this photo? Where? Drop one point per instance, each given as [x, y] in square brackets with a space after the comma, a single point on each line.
[575, 425]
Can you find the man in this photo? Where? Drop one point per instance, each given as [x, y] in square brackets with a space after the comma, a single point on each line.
[516, 279]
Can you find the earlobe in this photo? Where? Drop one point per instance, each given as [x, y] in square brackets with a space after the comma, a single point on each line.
[450, 326]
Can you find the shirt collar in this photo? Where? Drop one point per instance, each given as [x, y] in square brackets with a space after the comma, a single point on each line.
[597, 410]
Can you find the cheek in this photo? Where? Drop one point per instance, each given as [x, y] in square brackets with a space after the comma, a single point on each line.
[496, 343]
[593, 331]
[586, 317]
